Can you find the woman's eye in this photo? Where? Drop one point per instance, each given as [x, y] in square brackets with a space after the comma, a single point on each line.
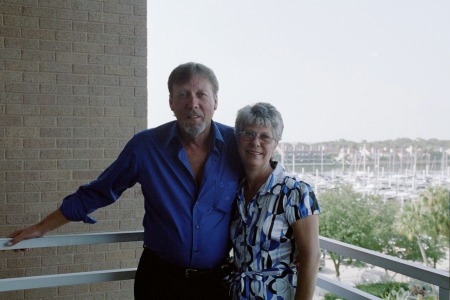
[266, 138]
[249, 134]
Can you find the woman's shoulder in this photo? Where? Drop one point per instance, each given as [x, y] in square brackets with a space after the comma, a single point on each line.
[291, 181]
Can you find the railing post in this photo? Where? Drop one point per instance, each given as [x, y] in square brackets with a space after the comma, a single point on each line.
[444, 294]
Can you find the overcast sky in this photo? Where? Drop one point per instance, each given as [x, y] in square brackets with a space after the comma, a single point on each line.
[355, 70]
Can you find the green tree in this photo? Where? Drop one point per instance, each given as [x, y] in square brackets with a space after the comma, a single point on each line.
[437, 203]
[427, 221]
[350, 217]
[404, 248]
[409, 224]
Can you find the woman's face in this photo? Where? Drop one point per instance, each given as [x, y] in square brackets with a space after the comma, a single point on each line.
[256, 146]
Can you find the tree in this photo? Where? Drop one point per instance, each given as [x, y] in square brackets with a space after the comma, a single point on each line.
[404, 248]
[409, 224]
[350, 217]
[427, 221]
[437, 203]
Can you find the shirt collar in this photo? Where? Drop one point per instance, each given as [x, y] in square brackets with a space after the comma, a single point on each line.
[172, 134]
[271, 186]
[218, 138]
[274, 179]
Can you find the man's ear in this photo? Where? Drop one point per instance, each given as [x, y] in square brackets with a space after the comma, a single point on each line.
[216, 102]
[171, 102]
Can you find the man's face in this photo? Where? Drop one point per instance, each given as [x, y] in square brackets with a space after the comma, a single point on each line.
[193, 104]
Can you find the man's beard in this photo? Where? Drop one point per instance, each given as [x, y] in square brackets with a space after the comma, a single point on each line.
[195, 130]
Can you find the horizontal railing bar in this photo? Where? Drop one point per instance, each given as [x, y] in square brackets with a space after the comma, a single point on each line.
[32, 282]
[343, 289]
[411, 269]
[75, 239]
[421, 272]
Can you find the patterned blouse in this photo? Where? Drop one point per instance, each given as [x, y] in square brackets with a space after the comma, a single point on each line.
[263, 240]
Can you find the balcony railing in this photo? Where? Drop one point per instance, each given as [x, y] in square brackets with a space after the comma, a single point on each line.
[432, 276]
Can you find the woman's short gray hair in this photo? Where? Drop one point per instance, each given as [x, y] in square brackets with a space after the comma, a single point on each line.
[260, 114]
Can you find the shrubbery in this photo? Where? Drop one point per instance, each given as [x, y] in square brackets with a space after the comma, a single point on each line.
[377, 289]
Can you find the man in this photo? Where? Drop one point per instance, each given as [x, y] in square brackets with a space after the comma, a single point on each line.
[188, 170]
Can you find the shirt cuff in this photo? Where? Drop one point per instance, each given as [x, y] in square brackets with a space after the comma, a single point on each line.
[72, 209]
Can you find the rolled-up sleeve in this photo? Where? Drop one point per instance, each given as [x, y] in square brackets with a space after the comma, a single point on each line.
[105, 190]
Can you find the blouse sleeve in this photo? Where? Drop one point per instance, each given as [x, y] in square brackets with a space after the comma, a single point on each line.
[300, 200]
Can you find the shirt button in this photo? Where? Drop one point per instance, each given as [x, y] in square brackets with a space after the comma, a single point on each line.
[197, 227]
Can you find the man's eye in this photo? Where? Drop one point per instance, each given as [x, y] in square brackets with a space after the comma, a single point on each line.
[182, 95]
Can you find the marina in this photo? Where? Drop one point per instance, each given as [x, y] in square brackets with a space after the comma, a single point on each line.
[394, 174]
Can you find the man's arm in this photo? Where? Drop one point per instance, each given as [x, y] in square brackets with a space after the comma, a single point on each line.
[306, 232]
[52, 221]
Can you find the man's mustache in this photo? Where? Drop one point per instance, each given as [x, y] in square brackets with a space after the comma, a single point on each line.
[193, 113]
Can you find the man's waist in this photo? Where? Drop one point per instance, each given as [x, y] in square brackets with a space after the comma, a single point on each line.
[180, 252]
[181, 271]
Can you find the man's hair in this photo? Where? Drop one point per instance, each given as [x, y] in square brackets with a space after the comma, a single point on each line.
[187, 71]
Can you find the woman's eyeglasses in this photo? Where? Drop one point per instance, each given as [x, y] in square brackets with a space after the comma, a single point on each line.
[249, 135]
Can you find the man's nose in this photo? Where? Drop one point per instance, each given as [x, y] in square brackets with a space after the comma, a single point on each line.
[192, 100]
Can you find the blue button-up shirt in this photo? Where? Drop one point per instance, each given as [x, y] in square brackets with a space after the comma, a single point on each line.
[185, 223]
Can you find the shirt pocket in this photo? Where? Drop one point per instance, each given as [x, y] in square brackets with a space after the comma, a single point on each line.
[225, 194]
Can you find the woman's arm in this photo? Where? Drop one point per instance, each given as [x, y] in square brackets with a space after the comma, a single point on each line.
[306, 233]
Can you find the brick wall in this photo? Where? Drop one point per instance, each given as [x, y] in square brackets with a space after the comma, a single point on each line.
[72, 92]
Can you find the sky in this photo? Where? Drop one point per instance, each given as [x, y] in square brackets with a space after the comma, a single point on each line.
[359, 70]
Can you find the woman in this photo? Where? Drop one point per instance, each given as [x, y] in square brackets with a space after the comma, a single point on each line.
[276, 218]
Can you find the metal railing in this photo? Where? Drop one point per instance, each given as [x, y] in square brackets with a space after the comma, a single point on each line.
[426, 274]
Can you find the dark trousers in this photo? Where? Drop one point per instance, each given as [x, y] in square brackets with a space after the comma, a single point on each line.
[156, 279]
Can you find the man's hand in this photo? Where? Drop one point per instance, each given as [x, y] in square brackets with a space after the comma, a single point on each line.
[24, 234]
[52, 221]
